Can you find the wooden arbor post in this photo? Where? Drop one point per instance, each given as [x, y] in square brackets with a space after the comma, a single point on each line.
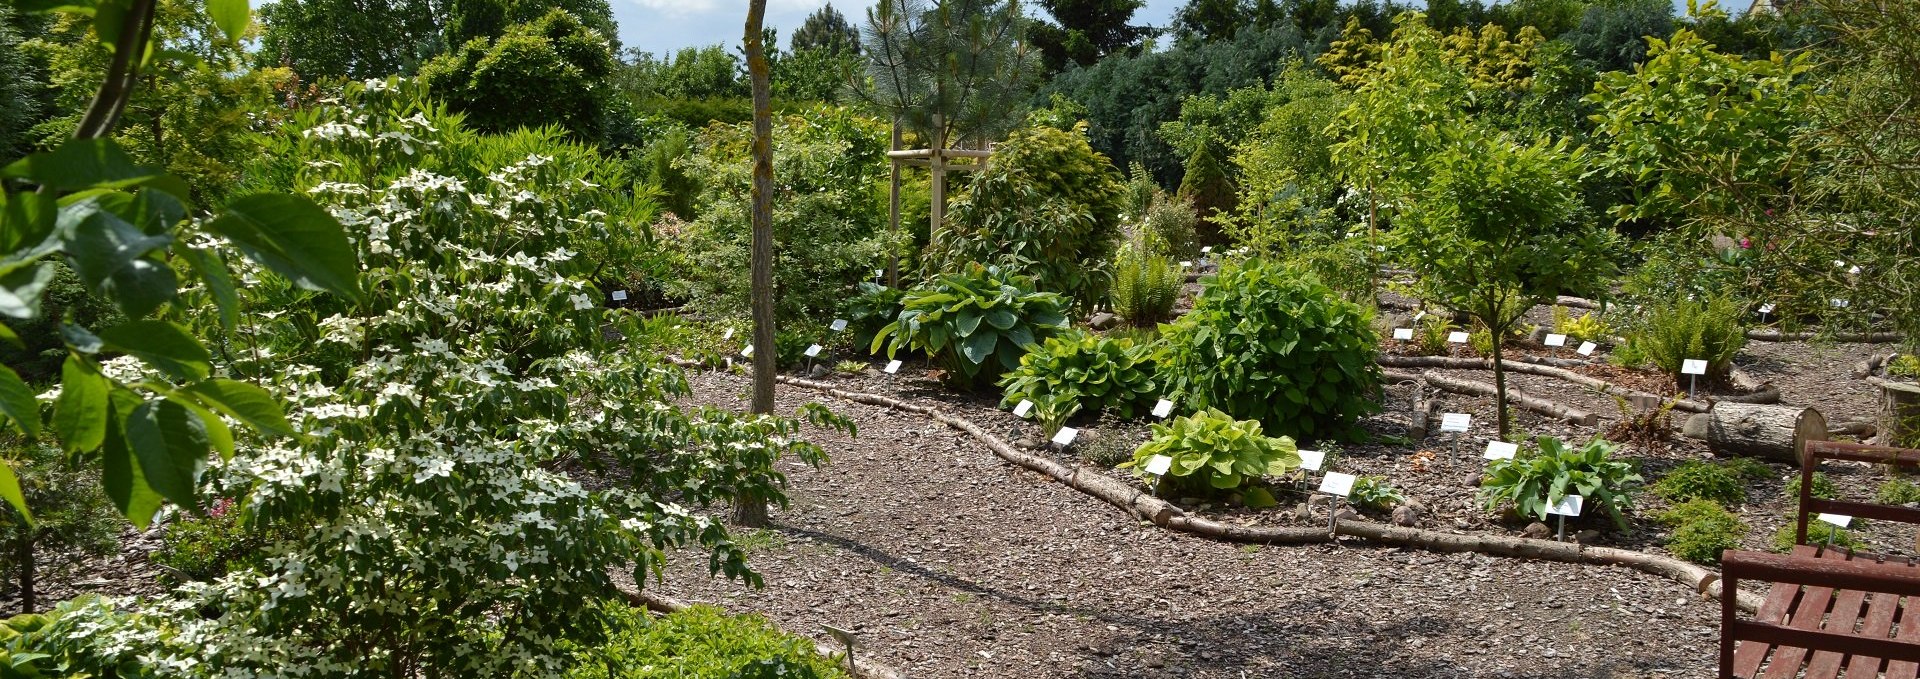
[934, 158]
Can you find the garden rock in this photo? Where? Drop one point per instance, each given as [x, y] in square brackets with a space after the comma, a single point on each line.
[1587, 537]
[1102, 321]
[1537, 531]
[1406, 515]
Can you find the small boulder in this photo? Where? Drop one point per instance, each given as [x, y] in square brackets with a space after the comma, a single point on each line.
[1102, 321]
[1317, 500]
[819, 371]
[1302, 511]
[1346, 514]
[1406, 515]
[1587, 537]
[1537, 531]
[1473, 480]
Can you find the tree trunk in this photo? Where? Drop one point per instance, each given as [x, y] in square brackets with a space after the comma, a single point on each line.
[1899, 413]
[893, 212]
[29, 601]
[1500, 383]
[1775, 432]
[750, 509]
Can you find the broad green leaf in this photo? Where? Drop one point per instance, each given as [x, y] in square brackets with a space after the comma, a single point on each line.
[122, 477]
[99, 243]
[294, 237]
[230, 15]
[213, 270]
[171, 444]
[244, 402]
[979, 346]
[90, 163]
[7, 335]
[164, 346]
[20, 290]
[80, 414]
[17, 403]
[219, 436]
[1001, 319]
[967, 322]
[141, 287]
[10, 489]
[27, 228]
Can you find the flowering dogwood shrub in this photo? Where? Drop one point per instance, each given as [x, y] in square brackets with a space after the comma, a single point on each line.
[477, 455]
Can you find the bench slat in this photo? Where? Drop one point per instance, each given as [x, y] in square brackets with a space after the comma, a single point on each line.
[1749, 654]
[1845, 616]
[1909, 632]
[1878, 625]
[1808, 615]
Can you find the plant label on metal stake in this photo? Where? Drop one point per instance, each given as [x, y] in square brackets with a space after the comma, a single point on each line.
[727, 335]
[1163, 409]
[1586, 348]
[845, 637]
[747, 352]
[1418, 316]
[1569, 505]
[1312, 459]
[1065, 437]
[619, 295]
[838, 325]
[1457, 424]
[813, 350]
[1838, 521]
[1022, 408]
[1159, 464]
[1403, 334]
[1693, 368]
[1456, 337]
[893, 367]
[1186, 264]
[1556, 340]
[1500, 450]
[1339, 486]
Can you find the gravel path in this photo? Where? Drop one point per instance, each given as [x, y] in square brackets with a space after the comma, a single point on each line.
[950, 563]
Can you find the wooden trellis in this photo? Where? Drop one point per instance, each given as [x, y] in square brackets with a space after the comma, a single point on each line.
[936, 159]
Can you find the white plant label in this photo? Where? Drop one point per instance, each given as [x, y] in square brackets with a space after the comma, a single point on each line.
[1855, 270]
[619, 295]
[893, 367]
[1457, 337]
[1186, 264]
[1693, 366]
[1065, 436]
[1766, 308]
[1159, 464]
[1840, 520]
[1586, 348]
[747, 352]
[1569, 505]
[1312, 459]
[1841, 303]
[813, 351]
[1336, 483]
[1500, 450]
[1206, 250]
[1455, 422]
[838, 325]
[1403, 333]
[1418, 316]
[1022, 408]
[1556, 340]
[727, 335]
[1163, 409]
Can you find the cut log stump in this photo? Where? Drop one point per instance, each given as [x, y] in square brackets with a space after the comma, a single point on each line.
[1775, 432]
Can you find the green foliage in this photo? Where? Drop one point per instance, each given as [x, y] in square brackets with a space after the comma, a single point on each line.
[1265, 342]
[72, 519]
[1048, 206]
[829, 214]
[1897, 491]
[551, 71]
[42, 350]
[1212, 451]
[1086, 373]
[206, 547]
[1693, 480]
[1612, 35]
[977, 323]
[826, 28]
[1681, 329]
[1535, 481]
[1818, 533]
[1288, 190]
[850, 367]
[1701, 529]
[1373, 493]
[1431, 333]
[873, 308]
[1823, 487]
[1587, 327]
[1168, 228]
[1145, 287]
[701, 642]
[1904, 365]
[1083, 31]
[966, 61]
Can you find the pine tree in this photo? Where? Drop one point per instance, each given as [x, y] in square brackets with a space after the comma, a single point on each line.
[826, 29]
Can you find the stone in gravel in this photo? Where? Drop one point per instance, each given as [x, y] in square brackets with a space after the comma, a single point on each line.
[819, 370]
[1101, 321]
[1537, 531]
[1587, 537]
[1302, 510]
[1347, 514]
[1406, 515]
[1473, 480]
[1317, 501]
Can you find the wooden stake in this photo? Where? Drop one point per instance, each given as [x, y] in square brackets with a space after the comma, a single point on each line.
[893, 214]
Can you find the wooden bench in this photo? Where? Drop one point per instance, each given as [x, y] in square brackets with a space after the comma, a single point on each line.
[1829, 610]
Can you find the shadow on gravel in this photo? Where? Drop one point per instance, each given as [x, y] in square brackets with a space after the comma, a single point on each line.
[1304, 641]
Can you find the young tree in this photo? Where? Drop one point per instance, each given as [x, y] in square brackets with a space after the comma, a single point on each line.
[751, 509]
[964, 60]
[552, 71]
[1084, 31]
[1496, 228]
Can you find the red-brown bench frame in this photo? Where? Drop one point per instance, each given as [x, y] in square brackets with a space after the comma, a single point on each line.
[1828, 609]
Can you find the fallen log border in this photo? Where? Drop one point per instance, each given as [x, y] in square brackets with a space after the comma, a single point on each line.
[1856, 337]
[1161, 513]
[1453, 363]
[660, 603]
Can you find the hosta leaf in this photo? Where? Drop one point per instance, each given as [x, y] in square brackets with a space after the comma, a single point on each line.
[1001, 319]
[979, 346]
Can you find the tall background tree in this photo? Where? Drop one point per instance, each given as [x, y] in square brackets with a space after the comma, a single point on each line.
[548, 72]
[965, 60]
[1084, 31]
[825, 29]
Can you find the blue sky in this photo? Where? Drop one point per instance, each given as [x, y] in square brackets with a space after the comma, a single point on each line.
[663, 26]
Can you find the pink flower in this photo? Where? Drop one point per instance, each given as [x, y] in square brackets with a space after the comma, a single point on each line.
[1746, 244]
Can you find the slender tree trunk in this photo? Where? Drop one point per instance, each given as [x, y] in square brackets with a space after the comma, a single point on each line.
[893, 212]
[29, 601]
[751, 509]
[1500, 382]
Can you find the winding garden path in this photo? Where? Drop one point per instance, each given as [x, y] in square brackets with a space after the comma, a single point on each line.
[951, 563]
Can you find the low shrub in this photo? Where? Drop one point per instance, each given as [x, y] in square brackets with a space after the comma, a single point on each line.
[1701, 530]
[977, 323]
[1534, 482]
[1684, 329]
[1904, 365]
[1649, 428]
[1693, 480]
[1375, 494]
[1271, 343]
[1818, 533]
[1897, 491]
[1145, 287]
[870, 310]
[1823, 487]
[700, 642]
[1092, 373]
[1587, 327]
[1431, 334]
[1168, 229]
[1212, 451]
[206, 547]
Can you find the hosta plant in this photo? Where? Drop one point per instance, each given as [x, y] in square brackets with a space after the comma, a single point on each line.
[1271, 343]
[977, 323]
[1374, 493]
[1534, 483]
[1095, 374]
[1212, 451]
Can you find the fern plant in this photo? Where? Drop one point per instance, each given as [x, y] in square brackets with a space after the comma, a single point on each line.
[1145, 286]
[1684, 329]
[1535, 483]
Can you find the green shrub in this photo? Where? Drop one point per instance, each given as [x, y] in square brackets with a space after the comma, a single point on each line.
[873, 308]
[1818, 533]
[1048, 206]
[207, 547]
[1374, 493]
[1749, 468]
[1431, 334]
[977, 323]
[1701, 530]
[1211, 450]
[1168, 228]
[1684, 329]
[1823, 487]
[1079, 371]
[700, 642]
[1587, 327]
[1534, 482]
[1145, 287]
[1904, 365]
[1269, 343]
[1694, 479]
[1897, 491]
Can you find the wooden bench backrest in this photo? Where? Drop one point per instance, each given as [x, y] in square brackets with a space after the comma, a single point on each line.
[1905, 460]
